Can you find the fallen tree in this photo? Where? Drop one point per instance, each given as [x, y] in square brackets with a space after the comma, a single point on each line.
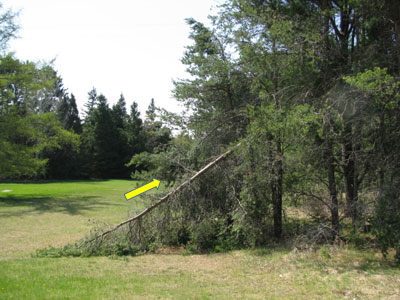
[166, 197]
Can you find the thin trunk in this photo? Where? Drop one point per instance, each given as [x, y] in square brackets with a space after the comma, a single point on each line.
[382, 153]
[348, 161]
[356, 179]
[277, 180]
[277, 192]
[344, 36]
[330, 160]
[325, 38]
[332, 191]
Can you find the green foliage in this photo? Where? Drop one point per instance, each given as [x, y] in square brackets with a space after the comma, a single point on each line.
[134, 130]
[23, 140]
[377, 82]
[155, 135]
[151, 112]
[29, 129]
[261, 157]
[67, 112]
[151, 142]
[29, 87]
[111, 137]
[203, 236]
[108, 135]
[65, 162]
[92, 102]
[164, 163]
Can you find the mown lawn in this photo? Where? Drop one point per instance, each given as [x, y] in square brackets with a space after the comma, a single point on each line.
[36, 215]
[55, 213]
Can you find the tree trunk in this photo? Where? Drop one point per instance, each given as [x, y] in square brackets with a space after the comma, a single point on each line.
[350, 184]
[382, 150]
[332, 187]
[333, 196]
[277, 180]
[277, 191]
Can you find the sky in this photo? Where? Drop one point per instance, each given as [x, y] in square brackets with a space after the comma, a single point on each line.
[121, 46]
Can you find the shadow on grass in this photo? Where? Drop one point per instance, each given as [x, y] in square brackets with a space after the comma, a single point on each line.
[36, 204]
[44, 181]
[367, 262]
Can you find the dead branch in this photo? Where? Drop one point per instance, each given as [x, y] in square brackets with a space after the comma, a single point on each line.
[167, 196]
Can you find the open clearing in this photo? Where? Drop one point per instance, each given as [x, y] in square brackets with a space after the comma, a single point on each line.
[35, 215]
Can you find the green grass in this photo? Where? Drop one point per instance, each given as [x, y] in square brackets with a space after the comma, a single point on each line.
[34, 216]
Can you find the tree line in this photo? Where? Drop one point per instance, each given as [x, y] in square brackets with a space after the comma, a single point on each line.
[109, 136]
[43, 136]
[310, 89]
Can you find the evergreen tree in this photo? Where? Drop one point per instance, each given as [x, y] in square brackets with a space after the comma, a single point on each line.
[146, 141]
[88, 136]
[66, 161]
[120, 120]
[156, 135]
[67, 112]
[105, 139]
[120, 114]
[102, 141]
[151, 112]
[92, 102]
[136, 138]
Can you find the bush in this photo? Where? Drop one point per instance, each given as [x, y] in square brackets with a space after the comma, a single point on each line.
[211, 235]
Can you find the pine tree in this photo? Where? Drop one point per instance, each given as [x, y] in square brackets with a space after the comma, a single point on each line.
[92, 102]
[66, 161]
[135, 133]
[67, 112]
[88, 137]
[156, 135]
[121, 146]
[120, 114]
[151, 112]
[105, 139]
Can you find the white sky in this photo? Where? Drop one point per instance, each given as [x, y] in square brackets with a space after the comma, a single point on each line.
[127, 46]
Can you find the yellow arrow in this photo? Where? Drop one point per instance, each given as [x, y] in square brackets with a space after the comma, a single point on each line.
[143, 189]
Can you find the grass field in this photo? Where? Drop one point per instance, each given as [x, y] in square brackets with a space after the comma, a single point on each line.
[35, 215]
